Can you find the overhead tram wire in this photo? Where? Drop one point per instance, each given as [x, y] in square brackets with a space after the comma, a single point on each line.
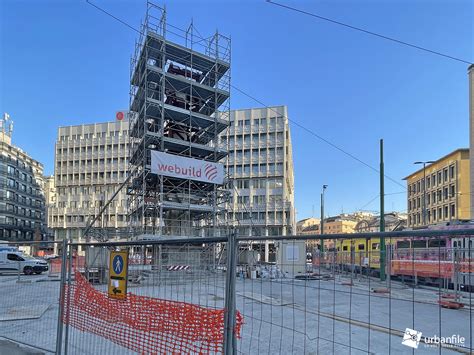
[371, 33]
[263, 104]
[114, 17]
[320, 137]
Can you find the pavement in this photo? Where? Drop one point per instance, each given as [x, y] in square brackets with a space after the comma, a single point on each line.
[283, 316]
[12, 348]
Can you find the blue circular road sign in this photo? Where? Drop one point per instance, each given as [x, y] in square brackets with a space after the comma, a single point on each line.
[117, 264]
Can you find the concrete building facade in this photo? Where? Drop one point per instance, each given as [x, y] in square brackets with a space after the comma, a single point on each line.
[447, 187]
[49, 194]
[260, 164]
[91, 162]
[22, 201]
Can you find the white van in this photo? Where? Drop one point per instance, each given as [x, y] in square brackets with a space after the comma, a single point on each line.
[11, 260]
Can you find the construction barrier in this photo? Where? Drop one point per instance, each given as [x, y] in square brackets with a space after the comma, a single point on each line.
[146, 325]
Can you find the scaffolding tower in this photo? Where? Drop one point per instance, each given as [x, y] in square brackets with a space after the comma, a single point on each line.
[179, 103]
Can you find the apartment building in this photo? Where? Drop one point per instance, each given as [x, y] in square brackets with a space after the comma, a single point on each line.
[22, 201]
[260, 164]
[447, 190]
[339, 224]
[394, 221]
[307, 226]
[91, 162]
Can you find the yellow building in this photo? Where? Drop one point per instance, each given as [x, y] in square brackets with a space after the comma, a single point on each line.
[447, 190]
[337, 225]
[307, 226]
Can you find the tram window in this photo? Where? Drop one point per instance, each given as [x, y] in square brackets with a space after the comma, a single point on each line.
[375, 246]
[455, 244]
[437, 243]
[419, 244]
[403, 244]
[361, 247]
[344, 248]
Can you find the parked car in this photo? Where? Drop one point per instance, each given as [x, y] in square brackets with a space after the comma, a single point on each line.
[50, 256]
[17, 261]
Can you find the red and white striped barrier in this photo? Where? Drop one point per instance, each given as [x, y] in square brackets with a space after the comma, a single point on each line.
[177, 267]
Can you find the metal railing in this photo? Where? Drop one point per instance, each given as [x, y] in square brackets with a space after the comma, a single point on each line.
[306, 301]
[29, 294]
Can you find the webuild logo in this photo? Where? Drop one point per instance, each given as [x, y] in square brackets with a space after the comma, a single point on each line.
[175, 169]
[210, 171]
[188, 168]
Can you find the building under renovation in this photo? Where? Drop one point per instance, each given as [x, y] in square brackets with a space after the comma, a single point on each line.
[179, 103]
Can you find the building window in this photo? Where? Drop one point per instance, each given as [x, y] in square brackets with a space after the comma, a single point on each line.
[428, 182]
[446, 212]
[445, 193]
[440, 177]
[445, 174]
[452, 191]
[434, 214]
[451, 172]
[453, 210]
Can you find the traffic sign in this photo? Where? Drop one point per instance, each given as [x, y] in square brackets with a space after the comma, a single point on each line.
[118, 270]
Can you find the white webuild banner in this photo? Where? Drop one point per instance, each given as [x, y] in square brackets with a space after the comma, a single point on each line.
[186, 168]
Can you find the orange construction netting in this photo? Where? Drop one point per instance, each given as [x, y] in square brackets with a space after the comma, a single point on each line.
[146, 325]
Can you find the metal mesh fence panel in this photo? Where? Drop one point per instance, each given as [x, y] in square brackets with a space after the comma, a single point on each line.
[338, 300]
[219, 296]
[175, 301]
[29, 294]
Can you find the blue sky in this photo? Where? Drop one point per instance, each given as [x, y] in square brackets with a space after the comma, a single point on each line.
[64, 62]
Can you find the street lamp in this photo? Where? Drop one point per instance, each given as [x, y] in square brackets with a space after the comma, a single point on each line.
[322, 217]
[424, 186]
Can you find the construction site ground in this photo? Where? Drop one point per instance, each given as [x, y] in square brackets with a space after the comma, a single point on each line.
[280, 315]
